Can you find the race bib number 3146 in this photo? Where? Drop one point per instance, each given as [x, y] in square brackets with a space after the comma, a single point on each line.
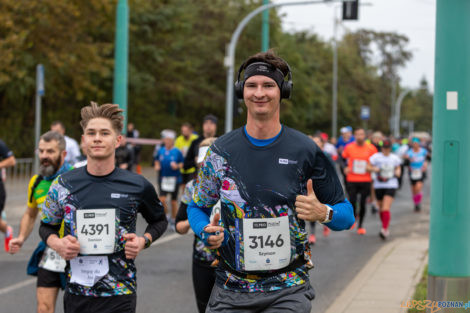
[96, 229]
[266, 243]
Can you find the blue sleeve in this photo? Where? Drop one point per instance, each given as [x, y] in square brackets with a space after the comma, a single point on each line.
[180, 157]
[343, 216]
[198, 217]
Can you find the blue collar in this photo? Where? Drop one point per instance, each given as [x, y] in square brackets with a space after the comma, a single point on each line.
[262, 142]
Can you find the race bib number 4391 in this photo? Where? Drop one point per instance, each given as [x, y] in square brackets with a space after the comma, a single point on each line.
[266, 243]
[96, 229]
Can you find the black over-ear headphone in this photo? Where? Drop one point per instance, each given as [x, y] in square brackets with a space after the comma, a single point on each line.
[286, 87]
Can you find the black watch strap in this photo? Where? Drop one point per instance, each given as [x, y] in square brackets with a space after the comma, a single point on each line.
[148, 242]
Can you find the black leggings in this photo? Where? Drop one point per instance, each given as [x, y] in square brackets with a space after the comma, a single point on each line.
[203, 281]
[362, 189]
[3, 195]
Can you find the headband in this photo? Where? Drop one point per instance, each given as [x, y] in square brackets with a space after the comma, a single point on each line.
[265, 69]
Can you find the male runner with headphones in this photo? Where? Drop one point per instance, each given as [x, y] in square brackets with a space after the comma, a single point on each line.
[270, 179]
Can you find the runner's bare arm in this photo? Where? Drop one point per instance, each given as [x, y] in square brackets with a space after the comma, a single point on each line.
[26, 227]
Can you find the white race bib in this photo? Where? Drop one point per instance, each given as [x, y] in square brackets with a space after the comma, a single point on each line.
[416, 174]
[359, 166]
[168, 183]
[96, 230]
[387, 171]
[87, 270]
[266, 243]
[52, 261]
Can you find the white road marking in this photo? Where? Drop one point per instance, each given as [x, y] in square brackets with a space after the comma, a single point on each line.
[19, 285]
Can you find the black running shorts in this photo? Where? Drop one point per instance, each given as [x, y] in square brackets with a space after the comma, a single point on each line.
[382, 192]
[48, 279]
[89, 304]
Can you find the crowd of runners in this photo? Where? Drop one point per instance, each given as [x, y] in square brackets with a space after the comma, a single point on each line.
[247, 196]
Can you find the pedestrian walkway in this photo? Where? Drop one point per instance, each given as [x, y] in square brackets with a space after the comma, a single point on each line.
[388, 279]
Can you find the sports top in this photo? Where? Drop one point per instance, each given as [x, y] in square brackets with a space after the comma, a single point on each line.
[125, 192]
[262, 182]
[417, 159]
[385, 179]
[358, 158]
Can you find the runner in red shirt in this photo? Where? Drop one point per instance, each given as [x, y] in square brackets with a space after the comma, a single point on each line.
[358, 179]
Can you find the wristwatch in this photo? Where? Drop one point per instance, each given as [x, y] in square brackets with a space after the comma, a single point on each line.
[329, 214]
[148, 242]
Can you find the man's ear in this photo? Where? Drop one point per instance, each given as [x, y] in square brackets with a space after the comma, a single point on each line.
[118, 141]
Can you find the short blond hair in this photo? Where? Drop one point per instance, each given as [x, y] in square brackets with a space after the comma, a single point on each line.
[109, 111]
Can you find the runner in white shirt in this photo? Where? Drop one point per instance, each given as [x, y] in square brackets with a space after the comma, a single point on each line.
[386, 169]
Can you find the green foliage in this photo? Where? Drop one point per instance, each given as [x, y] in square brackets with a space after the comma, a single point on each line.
[421, 290]
[176, 70]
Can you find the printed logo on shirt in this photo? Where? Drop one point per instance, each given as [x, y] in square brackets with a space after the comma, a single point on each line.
[286, 161]
[88, 215]
[260, 225]
[118, 195]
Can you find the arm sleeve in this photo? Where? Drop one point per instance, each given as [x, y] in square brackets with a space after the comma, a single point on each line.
[198, 217]
[343, 216]
[182, 214]
[207, 186]
[45, 230]
[189, 160]
[52, 212]
[31, 201]
[4, 151]
[326, 183]
[152, 210]
[180, 157]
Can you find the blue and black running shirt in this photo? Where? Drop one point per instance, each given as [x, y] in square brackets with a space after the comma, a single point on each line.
[124, 191]
[263, 182]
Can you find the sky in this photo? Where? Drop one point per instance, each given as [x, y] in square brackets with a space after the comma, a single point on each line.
[413, 18]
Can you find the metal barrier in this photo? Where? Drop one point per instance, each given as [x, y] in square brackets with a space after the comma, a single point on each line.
[18, 176]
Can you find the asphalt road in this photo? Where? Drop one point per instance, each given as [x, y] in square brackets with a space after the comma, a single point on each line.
[164, 270]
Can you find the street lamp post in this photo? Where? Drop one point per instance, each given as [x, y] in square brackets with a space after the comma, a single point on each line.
[121, 52]
[396, 118]
[265, 29]
[334, 99]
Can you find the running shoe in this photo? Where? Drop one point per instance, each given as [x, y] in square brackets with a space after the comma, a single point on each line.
[8, 237]
[326, 231]
[312, 239]
[361, 231]
[384, 233]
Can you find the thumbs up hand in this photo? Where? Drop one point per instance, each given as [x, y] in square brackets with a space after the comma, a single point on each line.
[308, 207]
[215, 233]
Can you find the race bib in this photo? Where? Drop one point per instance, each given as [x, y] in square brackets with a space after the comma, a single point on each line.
[416, 174]
[52, 261]
[168, 183]
[266, 243]
[96, 230]
[88, 270]
[359, 166]
[387, 171]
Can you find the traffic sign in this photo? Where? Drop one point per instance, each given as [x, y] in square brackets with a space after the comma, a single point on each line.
[365, 113]
[40, 80]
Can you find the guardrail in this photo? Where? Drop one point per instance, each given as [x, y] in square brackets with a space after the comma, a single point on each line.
[19, 174]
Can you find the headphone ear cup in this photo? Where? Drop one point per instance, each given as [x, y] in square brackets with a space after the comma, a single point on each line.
[239, 89]
[286, 90]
